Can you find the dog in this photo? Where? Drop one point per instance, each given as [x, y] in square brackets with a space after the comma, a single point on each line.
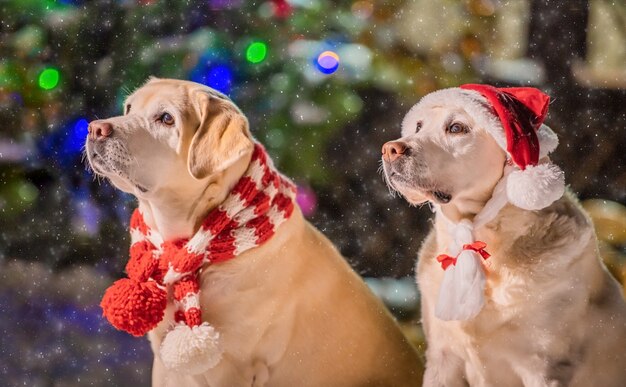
[546, 312]
[289, 312]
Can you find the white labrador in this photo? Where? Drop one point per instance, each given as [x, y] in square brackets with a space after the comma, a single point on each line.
[553, 315]
[291, 312]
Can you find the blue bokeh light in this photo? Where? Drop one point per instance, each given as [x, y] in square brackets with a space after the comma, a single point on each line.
[65, 145]
[218, 76]
[76, 135]
[327, 62]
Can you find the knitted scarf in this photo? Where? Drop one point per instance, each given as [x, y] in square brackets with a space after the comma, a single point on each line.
[257, 205]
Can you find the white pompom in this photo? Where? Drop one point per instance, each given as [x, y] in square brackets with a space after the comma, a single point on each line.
[536, 187]
[191, 350]
[461, 294]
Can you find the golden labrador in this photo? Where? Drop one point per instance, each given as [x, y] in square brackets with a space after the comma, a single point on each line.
[290, 312]
[547, 312]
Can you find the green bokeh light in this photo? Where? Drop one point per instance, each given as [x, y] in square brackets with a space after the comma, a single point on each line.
[256, 52]
[49, 78]
[27, 191]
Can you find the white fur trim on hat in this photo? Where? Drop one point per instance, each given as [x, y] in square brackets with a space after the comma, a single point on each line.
[548, 140]
[191, 350]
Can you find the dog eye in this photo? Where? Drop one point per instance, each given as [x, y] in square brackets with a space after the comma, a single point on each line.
[457, 128]
[167, 118]
[418, 126]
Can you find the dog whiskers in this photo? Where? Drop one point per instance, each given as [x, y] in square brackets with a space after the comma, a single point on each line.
[133, 160]
[392, 190]
[126, 91]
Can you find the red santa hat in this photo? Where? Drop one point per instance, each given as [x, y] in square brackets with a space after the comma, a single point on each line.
[514, 118]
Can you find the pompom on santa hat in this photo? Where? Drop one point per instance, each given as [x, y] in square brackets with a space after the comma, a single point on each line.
[514, 117]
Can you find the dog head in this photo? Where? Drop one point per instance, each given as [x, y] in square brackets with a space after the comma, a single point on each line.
[173, 135]
[445, 154]
[456, 142]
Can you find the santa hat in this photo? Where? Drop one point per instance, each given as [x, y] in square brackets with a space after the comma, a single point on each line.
[514, 118]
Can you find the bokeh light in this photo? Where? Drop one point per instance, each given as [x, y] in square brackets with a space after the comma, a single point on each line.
[328, 62]
[362, 9]
[77, 133]
[306, 199]
[256, 52]
[26, 191]
[49, 78]
[218, 76]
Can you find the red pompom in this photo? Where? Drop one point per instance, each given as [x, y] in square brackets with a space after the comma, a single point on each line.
[134, 307]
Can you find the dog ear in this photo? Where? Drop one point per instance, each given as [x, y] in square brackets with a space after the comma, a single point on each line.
[222, 137]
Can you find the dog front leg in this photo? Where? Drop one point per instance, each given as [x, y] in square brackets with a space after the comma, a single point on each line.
[444, 369]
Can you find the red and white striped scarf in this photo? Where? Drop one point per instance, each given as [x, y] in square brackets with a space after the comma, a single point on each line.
[260, 202]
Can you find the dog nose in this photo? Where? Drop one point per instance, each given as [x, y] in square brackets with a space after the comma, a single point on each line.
[99, 129]
[394, 149]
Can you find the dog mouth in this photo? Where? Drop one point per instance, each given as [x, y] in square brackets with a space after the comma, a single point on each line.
[97, 163]
[441, 196]
[395, 181]
[103, 167]
[407, 187]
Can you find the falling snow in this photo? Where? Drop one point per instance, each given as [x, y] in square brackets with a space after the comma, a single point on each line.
[63, 235]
